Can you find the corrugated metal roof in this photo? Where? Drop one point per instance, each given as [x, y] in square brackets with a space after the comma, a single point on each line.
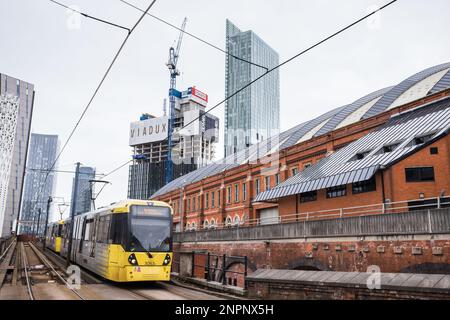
[304, 129]
[443, 84]
[342, 167]
[292, 136]
[348, 110]
[393, 94]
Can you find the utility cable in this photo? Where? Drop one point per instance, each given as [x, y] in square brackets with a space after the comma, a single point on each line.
[96, 91]
[269, 71]
[288, 60]
[194, 36]
[89, 16]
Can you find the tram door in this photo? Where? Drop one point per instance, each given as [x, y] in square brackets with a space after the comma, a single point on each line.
[94, 235]
[83, 235]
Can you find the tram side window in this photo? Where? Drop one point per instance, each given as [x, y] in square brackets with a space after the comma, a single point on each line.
[101, 223]
[88, 230]
[93, 229]
[103, 228]
[63, 230]
[80, 225]
[107, 228]
[119, 229]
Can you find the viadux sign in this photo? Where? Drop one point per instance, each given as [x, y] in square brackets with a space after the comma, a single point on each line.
[150, 130]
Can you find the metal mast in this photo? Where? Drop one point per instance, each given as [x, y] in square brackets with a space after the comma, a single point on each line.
[174, 53]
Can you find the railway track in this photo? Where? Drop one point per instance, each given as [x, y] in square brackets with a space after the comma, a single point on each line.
[57, 274]
[86, 277]
[33, 276]
[26, 270]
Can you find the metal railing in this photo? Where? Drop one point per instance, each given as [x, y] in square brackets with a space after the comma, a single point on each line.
[4, 245]
[215, 267]
[337, 213]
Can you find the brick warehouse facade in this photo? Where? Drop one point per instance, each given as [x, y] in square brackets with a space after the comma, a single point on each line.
[412, 242]
[222, 197]
[347, 197]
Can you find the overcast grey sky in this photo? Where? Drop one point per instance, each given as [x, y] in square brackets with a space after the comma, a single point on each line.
[66, 64]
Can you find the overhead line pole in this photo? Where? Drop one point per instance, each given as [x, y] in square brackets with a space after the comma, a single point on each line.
[116, 56]
[49, 201]
[38, 225]
[73, 208]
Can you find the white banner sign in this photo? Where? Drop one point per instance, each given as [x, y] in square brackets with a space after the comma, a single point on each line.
[150, 130]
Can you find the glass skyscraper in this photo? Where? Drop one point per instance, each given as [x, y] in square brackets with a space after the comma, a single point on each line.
[253, 115]
[42, 153]
[84, 194]
[16, 108]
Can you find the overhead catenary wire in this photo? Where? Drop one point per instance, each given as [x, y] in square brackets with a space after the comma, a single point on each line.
[117, 169]
[271, 70]
[89, 16]
[100, 85]
[95, 93]
[289, 60]
[195, 37]
[62, 171]
[268, 71]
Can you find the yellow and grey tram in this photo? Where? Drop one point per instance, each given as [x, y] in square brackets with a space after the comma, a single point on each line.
[128, 241]
[53, 238]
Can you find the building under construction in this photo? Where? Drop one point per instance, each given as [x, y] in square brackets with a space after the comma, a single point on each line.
[195, 134]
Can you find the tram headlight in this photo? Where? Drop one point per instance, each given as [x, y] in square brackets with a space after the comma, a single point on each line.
[166, 260]
[132, 259]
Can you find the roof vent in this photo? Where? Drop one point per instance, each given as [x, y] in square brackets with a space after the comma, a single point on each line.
[421, 140]
[388, 148]
[360, 155]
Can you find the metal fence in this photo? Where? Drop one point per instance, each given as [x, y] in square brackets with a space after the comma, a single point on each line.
[428, 221]
[337, 213]
[4, 245]
[225, 269]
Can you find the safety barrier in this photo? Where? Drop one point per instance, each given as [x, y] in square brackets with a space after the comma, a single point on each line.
[4, 245]
[427, 221]
[357, 211]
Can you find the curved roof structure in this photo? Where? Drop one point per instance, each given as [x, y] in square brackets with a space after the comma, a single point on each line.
[388, 100]
[426, 82]
[360, 160]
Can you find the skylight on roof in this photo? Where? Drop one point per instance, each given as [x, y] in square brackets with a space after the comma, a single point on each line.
[360, 155]
[388, 148]
[416, 141]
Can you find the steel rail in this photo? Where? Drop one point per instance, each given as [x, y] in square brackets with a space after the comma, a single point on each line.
[25, 266]
[141, 295]
[42, 257]
[60, 262]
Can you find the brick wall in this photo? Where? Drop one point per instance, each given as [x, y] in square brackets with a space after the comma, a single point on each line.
[298, 156]
[391, 254]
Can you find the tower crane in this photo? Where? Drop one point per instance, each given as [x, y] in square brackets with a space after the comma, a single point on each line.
[174, 54]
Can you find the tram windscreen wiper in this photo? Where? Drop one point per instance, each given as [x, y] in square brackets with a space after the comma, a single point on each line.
[136, 245]
[163, 245]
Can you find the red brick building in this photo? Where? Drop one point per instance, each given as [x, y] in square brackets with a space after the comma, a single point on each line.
[390, 146]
